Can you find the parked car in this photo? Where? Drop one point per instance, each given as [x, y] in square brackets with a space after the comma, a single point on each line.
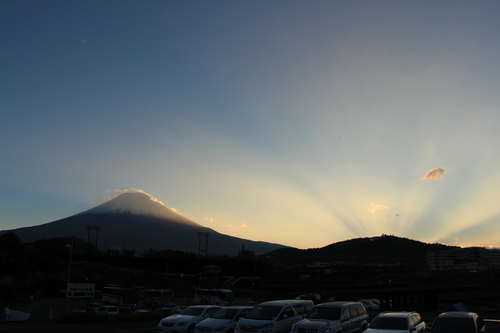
[369, 305]
[274, 316]
[333, 317]
[169, 309]
[458, 322]
[397, 322]
[108, 310]
[186, 321]
[224, 320]
[125, 309]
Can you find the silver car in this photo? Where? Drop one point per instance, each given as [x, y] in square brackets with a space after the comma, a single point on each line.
[397, 322]
[186, 321]
[223, 321]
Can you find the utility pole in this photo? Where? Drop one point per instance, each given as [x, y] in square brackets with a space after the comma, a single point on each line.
[206, 234]
[96, 228]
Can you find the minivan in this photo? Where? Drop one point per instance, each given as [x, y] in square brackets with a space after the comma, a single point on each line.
[274, 316]
[333, 317]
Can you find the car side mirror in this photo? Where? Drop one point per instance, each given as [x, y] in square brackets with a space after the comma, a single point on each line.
[413, 328]
[345, 318]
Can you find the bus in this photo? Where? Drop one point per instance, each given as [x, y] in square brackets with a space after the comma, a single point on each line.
[154, 298]
[214, 296]
[119, 295]
[112, 294]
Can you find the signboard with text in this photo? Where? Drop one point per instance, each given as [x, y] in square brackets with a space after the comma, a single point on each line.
[80, 290]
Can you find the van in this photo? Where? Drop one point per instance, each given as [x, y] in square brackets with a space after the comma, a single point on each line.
[334, 317]
[108, 309]
[274, 316]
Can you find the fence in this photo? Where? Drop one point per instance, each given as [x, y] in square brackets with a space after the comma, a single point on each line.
[11, 315]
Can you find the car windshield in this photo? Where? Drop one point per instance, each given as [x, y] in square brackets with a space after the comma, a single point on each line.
[453, 325]
[389, 323]
[192, 312]
[225, 313]
[264, 312]
[326, 313]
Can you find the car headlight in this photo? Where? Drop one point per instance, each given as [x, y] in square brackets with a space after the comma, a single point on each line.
[218, 329]
[182, 323]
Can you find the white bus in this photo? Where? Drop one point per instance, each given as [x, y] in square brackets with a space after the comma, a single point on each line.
[214, 296]
[154, 298]
[112, 294]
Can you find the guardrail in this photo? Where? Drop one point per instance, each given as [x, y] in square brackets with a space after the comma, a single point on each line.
[12, 315]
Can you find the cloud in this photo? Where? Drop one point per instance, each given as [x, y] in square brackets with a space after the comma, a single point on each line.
[243, 225]
[374, 208]
[209, 220]
[434, 174]
[111, 194]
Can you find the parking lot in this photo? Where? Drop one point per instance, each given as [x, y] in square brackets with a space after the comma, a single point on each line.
[492, 325]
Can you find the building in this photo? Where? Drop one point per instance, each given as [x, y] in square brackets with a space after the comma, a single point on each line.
[469, 258]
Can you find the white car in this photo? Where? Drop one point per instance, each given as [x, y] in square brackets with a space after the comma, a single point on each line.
[397, 322]
[186, 321]
[108, 310]
[223, 321]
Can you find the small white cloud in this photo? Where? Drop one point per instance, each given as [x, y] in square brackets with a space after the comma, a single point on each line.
[434, 174]
[376, 207]
[243, 225]
[174, 210]
[209, 220]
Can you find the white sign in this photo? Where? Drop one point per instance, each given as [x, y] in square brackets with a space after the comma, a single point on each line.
[80, 290]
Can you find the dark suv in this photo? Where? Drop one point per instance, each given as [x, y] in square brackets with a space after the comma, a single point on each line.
[333, 317]
[458, 322]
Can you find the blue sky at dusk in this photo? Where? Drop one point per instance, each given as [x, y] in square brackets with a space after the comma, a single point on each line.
[302, 123]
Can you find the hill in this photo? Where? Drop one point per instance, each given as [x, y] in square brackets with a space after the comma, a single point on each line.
[385, 249]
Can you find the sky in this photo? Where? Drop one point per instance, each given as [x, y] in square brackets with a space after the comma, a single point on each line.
[302, 123]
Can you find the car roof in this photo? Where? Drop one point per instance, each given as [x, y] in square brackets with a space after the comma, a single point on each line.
[238, 307]
[457, 314]
[335, 304]
[396, 314]
[205, 306]
[286, 302]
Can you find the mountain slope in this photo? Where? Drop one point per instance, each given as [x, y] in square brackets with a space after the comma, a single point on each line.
[137, 221]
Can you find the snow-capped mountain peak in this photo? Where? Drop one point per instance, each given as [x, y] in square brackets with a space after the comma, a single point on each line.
[138, 202]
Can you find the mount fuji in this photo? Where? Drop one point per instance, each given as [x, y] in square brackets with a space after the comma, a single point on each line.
[136, 221]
